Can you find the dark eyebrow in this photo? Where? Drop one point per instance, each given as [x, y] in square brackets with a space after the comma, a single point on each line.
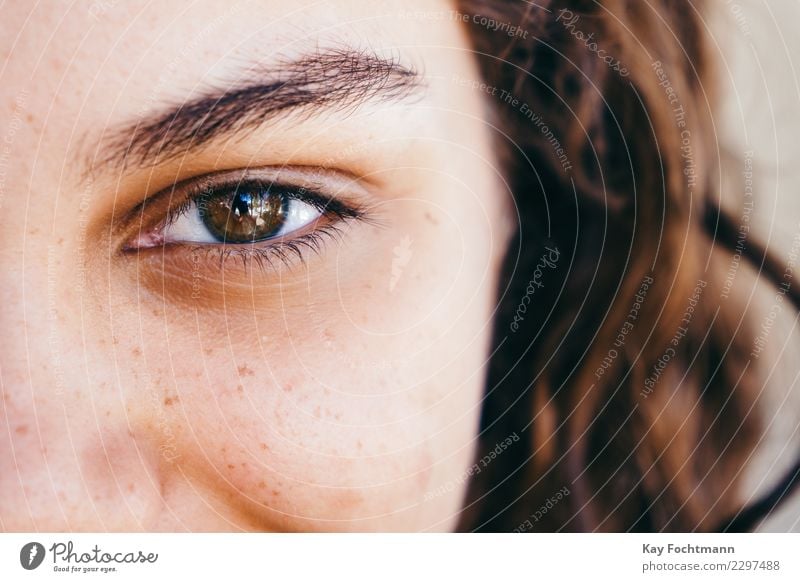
[333, 79]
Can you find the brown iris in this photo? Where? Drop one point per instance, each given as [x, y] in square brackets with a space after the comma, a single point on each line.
[246, 213]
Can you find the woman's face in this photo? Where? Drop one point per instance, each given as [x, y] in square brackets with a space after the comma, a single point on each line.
[322, 369]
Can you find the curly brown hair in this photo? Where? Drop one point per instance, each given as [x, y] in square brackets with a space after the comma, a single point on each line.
[629, 377]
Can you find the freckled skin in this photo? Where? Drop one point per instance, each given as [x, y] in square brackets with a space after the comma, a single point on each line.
[328, 395]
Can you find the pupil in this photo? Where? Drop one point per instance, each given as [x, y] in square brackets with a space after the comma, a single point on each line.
[245, 214]
[242, 203]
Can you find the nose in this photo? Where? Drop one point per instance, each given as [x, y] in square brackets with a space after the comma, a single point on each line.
[72, 450]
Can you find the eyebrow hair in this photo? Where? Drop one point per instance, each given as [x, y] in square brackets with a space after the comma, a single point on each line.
[332, 79]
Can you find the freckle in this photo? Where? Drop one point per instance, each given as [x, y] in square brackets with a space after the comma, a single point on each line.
[22, 429]
[170, 401]
[264, 446]
[240, 388]
[131, 488]
[275, 493]
[231, 467]
[429, 217]
[288, 387]
[208, 351]
[29, 118]
[245, 371]
[261, 485]
[136, 352]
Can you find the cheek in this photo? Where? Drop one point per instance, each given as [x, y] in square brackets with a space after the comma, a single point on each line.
[346, 398]
[297, 447]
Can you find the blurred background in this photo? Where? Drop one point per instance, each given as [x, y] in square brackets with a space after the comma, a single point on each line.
[758, 49]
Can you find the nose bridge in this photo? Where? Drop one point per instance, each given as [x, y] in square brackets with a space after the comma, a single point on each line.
[32, 316]
[49, 336]
[31, 261]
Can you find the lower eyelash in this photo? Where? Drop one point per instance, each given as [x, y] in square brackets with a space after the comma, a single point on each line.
[268, 255]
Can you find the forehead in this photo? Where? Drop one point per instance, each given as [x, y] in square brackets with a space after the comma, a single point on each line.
[213, 28]
[134, 39]
[118, 60]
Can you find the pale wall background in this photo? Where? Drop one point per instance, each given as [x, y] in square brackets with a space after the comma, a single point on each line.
[759, 45]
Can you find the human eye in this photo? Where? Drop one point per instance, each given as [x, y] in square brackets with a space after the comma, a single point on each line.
[249, 214]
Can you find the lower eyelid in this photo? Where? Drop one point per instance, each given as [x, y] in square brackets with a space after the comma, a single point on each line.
[271, 254]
